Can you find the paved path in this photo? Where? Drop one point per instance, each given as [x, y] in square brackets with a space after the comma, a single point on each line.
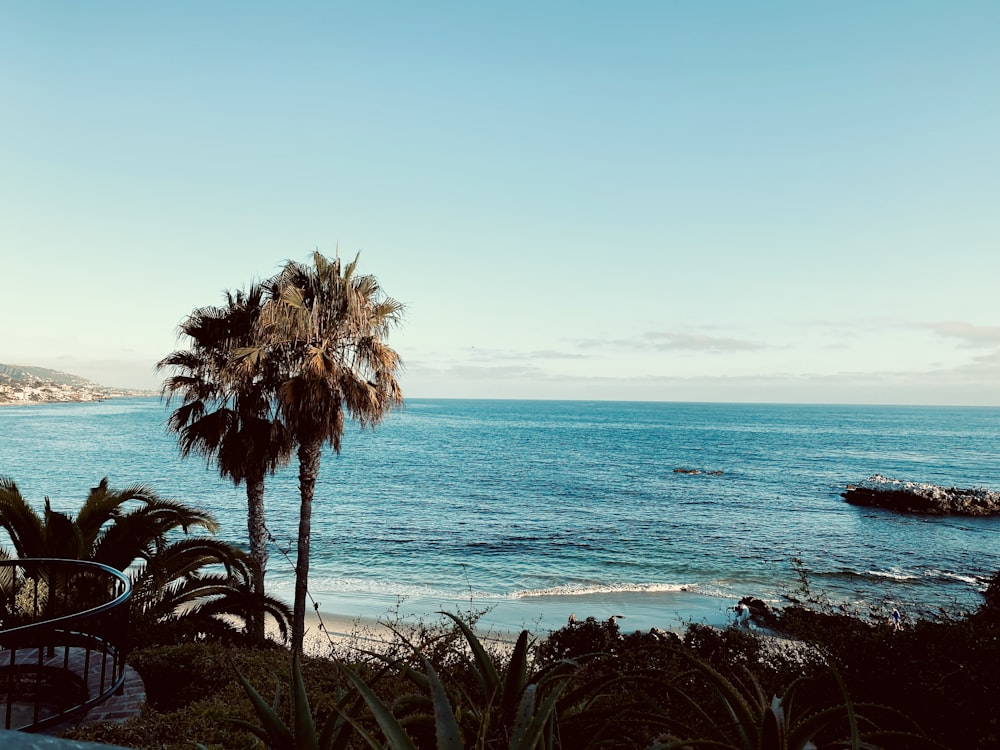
[120, 707]
[91, 669]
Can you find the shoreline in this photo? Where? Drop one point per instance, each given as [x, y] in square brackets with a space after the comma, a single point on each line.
[73, 395]
[344, 617]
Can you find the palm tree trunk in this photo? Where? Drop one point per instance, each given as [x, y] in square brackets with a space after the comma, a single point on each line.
[258, 549]
[309, 458]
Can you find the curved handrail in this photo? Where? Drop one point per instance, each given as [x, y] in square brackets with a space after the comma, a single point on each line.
[91, 642]
[93, 611]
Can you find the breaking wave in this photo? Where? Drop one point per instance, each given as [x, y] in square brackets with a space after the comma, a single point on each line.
[598, 589]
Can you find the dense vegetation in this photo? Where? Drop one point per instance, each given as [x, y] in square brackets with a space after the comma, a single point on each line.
[831, 679]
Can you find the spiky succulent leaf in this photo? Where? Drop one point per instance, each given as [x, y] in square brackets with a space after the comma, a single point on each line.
[484, 669]
[516, 677]
[272, 730]
[394, 733]
[540, 719]
[449, 736]
[306, 737]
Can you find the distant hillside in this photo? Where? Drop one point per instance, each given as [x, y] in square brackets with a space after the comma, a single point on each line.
[12, 373]
[21, 384]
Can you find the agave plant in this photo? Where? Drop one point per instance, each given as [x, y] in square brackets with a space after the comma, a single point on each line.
[750, 720]
[504, 706]
[300, 731]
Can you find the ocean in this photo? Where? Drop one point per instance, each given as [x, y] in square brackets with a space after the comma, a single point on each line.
[532, 510]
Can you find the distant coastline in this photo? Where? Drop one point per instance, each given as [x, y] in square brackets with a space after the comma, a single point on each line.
[70, 398]
[27, 386]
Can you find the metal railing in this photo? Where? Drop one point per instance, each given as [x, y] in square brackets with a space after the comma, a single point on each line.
[63, 639]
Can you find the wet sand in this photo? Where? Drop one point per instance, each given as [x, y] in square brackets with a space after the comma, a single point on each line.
[504, 618]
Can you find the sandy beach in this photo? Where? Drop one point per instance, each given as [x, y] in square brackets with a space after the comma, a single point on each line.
[502, 619]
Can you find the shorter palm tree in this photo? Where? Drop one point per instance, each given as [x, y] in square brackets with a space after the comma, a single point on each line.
[178, 579]
[226, 413]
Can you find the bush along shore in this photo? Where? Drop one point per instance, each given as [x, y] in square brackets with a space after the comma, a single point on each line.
[916, 497]
[813, 677]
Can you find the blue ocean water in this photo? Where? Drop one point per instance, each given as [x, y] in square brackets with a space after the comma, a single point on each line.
[534, 509]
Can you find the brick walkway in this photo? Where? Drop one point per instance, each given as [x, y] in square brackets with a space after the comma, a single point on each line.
[116, 708]
[120, 707]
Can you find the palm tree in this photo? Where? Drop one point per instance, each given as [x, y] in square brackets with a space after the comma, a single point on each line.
[179, 600]
[136, 531]
[226, 413]
[324, 326]
[106, 529]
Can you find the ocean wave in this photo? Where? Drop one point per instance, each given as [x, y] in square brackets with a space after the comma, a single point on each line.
[598, 589]
[905, 577]
[895, 574]
[331, 586]
[931, 574]
[964, 578]
[325, 586]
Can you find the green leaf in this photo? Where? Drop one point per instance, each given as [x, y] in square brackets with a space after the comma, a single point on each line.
[485, 670]
[743, 716]
[305, 726]
[449, 736]
[772, 729]
[525, 709]
[277, 734]
[533, 733]
[514, 681]
[394, 733]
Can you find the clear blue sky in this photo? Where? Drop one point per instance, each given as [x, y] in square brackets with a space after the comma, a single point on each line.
[722, 201]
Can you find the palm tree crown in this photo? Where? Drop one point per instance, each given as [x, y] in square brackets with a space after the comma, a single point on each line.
[148, 537]
[113, 527]
[328, 326]
[226, 412]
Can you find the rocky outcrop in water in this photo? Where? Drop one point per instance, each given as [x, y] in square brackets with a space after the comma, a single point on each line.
[915, 497]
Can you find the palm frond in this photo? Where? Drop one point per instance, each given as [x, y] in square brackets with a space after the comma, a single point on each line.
[23, 525]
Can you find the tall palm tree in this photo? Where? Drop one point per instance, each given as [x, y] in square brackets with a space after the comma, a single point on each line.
[325, 326]
[226, 413]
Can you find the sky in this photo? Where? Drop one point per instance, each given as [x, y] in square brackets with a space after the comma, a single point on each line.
[668, 201]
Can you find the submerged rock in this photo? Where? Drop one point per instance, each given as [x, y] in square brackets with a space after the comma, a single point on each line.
[915, 497]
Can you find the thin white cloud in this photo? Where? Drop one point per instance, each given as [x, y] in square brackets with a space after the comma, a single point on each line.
[969, 335]
[506, 355]
[976, 382]
[665, 341]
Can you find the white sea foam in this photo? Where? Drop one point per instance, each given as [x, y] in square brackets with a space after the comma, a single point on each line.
[974, 580]
[598, 589]
[895, 574]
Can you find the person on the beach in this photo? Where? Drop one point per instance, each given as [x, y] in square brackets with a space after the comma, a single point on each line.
[742, 614]
[896, 619]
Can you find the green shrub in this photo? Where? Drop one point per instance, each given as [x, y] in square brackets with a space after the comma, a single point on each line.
[606, 689]
[193, 693]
